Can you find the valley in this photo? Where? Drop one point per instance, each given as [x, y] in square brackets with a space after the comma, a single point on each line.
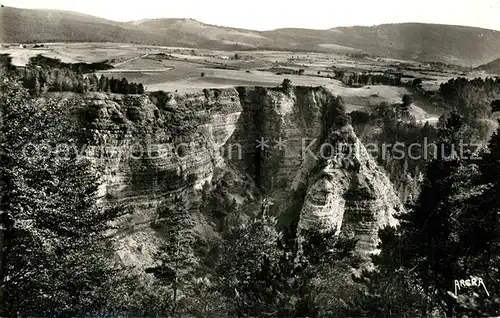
[174, 168]
[186, 70]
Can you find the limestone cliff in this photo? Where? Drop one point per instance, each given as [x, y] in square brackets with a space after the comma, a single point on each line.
[149, 151]
[350, 194]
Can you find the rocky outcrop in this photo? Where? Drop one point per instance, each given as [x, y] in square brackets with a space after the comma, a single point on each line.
[350, 194]
[149, 152]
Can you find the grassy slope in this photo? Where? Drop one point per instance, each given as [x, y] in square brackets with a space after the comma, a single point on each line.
[26, 25]
[415, 41]
[492, 67]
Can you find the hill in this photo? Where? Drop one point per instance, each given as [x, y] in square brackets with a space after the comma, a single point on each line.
[36, 25]
[459, 45]
[28, 26]
[492, 67]
[449, 44]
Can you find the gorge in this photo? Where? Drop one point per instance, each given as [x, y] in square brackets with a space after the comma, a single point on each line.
[152, 148]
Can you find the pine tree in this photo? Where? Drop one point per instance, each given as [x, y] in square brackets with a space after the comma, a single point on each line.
[53, 241]
[248, 268]
[92, 84]
[37, 87]
[102, 84]
[480, 236]
[430, 248]
[322, 283]
[176, 257]
[124, 86]
[140, 89]
[107, 86]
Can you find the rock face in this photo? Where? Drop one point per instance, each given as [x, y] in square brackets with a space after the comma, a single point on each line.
[149, 152]
[350, 194]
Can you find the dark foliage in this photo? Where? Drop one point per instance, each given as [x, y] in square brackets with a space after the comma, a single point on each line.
[286, 85]
[53, 247]
[472, 98]
[79, 68]
[450, 233]
[407, 100]
[42, 80]
[363, 79]
[359, 117]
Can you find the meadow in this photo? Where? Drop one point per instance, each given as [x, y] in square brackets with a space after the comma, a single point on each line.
[184, 70]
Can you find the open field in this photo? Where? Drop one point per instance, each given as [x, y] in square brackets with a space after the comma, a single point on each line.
[183, 70]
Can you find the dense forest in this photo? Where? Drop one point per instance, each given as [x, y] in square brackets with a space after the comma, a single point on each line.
[450, 232]
[386, 126]
[54, 252]
[472, 98]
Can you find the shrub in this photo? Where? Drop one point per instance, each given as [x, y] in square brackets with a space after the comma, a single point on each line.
[287, 85]
[495, 105]
[406, 100]
[359, 117]
[206, 92]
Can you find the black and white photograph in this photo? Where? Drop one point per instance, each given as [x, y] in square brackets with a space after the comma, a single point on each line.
[267, 158]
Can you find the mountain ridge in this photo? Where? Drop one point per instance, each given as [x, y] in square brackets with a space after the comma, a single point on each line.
[451, 44]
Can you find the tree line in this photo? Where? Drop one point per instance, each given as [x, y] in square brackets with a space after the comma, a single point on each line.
[42, 80]
[79, 68]
[363, 79]
[43, 74]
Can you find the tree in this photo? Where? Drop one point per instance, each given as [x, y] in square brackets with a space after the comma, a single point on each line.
[450, 232]
[495, 105]
[247, 271]
[93, 83]
[102, 84]
[53, 242]
[260, 271]
[177, 261]
[124, 86]
[140, 89]
[286, 85]
[107, 86]
[407, 100]
[480, 237]
[322, 284]
[389, 289]
[334, 115]
[37, 87]
[417, 82]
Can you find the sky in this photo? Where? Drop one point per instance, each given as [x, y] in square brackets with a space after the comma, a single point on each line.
[272, 14]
